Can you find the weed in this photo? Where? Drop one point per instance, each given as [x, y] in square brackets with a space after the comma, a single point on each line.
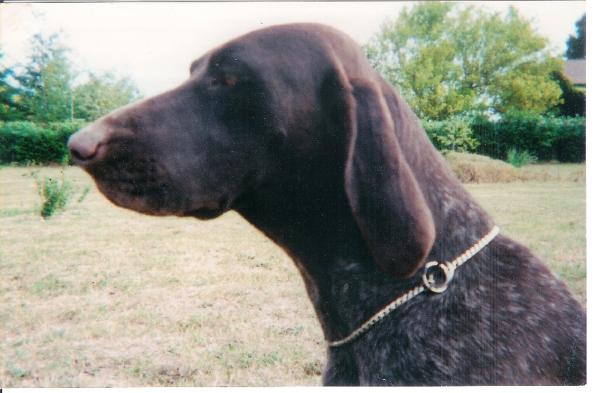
[169, 281]
[520, 158]
[53, 336]
[69, 315]
[169, 376]
[17, 372]
[247, 359]
[262, 265]
[292, 331]
[54, 193]
[192, 323]
[49, 285]
[84, 193]
[270, 359]
[571, 273]
[313, 368]
[13, 212]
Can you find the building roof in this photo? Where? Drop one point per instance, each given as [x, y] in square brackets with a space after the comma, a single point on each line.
[575, 71]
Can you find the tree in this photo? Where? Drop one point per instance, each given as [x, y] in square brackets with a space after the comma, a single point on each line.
[573, 99]
[455, 134]
[47, 80]
[10, 95]
[102, 93]
[446, 59]
[576, 44]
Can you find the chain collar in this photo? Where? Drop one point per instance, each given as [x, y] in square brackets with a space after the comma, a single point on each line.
[429, 283]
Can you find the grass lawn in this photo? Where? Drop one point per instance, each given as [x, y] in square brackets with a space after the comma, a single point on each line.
[101, 296]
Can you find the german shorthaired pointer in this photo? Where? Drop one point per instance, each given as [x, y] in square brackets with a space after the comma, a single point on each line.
[292, 128]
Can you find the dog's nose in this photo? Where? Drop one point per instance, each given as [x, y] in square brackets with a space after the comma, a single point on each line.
[84, 144]
[89, 144]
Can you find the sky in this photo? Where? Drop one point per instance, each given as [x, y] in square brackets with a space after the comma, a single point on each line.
[154, 43]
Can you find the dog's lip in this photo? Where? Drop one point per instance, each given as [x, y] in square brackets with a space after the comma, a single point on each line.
[150, 201]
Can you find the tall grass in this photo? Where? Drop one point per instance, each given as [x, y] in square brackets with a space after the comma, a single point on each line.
[520, 158]
[54, 193]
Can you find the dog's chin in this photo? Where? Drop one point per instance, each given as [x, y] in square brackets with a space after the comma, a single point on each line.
[161, 201]
[204, 213]
[208, 213]
[150, 201]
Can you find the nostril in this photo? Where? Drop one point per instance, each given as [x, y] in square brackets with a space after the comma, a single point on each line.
[82, 146]
[79, 156]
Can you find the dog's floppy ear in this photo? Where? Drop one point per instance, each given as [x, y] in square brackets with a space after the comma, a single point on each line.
[384, 196]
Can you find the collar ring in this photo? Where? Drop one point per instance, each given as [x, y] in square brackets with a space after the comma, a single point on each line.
[437, 276]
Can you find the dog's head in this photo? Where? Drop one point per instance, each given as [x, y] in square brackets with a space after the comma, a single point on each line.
[195, 149]
[190, 150]
[284, 94]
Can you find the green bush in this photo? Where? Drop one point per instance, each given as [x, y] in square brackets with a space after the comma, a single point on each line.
[519, 158]
[569, 143]
[25, 142]
[454, 134]
[547, 138]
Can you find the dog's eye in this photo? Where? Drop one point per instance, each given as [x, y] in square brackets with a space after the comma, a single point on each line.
[224, 80]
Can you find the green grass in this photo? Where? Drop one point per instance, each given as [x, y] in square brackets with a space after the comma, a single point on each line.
[520, 158]
[101, 296]
[547, 217]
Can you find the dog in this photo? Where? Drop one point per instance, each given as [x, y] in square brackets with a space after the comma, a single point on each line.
[292, 128]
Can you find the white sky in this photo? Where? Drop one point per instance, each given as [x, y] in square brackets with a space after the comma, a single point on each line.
[154, 43]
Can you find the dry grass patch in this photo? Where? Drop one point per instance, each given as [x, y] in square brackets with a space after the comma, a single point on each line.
[474, 168]
[101, 296]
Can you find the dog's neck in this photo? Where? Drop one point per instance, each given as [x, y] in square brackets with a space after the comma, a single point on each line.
[344, 283]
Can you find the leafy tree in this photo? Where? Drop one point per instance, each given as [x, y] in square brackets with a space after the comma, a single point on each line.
[573, 99]
[47, 83]
[447, 59]
[10, 95]
[454, 134]
[47, 80]
[102, 93]
[576, 44]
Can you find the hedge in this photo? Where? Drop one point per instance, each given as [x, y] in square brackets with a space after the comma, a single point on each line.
[26, 143]
[547, 138]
